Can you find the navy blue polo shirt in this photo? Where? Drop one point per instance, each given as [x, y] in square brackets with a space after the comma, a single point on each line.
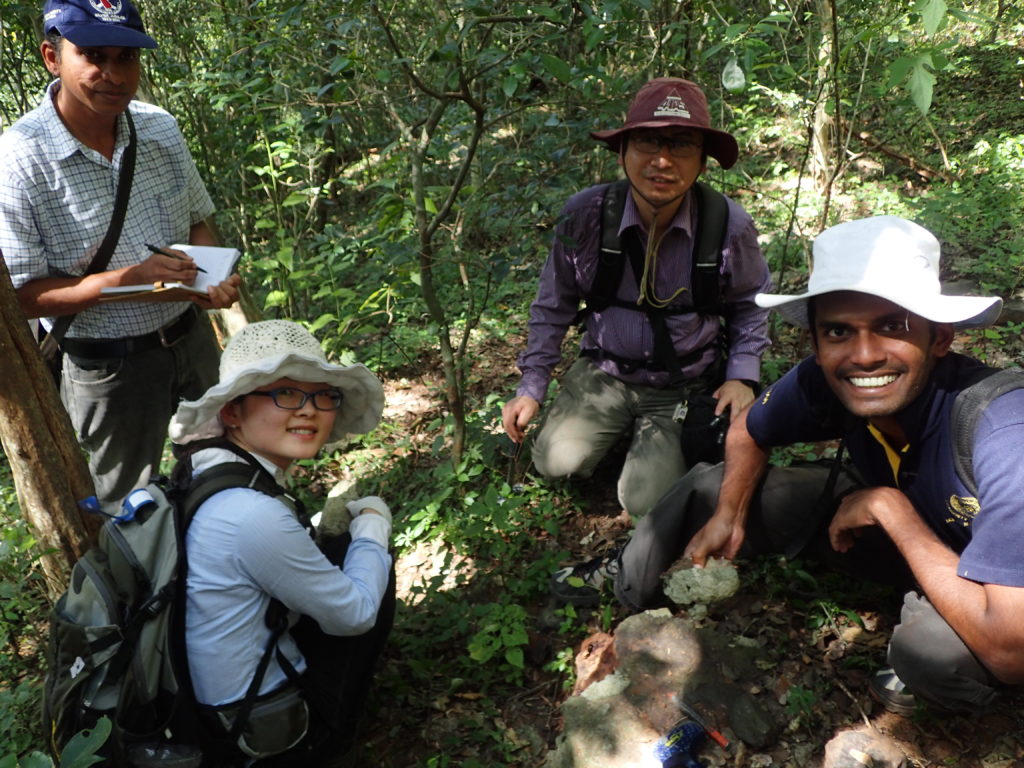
[987, 532]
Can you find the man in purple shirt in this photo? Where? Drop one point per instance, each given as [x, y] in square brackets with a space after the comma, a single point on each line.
[883, 379]
[620, 384]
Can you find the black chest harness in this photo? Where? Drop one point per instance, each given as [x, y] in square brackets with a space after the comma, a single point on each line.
[705, 287]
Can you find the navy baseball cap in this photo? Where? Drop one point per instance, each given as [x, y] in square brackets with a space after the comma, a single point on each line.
[96, 23]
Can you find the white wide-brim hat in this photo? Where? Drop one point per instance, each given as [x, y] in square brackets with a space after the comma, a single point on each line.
[888, 257]
[260, 354]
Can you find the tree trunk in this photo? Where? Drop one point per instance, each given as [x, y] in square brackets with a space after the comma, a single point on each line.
[824, 126]
[49, 468]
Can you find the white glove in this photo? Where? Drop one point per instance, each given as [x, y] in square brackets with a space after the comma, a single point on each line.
[369, 526]
[376, 503]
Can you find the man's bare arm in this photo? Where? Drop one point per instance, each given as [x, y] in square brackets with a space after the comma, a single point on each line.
[985, 616]
[745, 465]
[56, 296]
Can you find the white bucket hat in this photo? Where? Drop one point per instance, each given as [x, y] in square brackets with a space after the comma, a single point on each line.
[889, 257]
[260, 354]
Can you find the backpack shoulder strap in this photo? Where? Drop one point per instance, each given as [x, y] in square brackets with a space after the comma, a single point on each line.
[712, 225]
[611, 258]
[987, 385]
[247, 474]
[250, 474]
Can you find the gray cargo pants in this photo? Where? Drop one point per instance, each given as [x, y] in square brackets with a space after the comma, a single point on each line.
[592, 411]
[790, 516]
[120, 406]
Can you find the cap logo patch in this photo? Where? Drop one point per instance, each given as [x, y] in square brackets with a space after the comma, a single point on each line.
[672, 106]
[108, 10]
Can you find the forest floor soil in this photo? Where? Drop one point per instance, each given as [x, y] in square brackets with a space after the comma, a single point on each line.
[820, 643]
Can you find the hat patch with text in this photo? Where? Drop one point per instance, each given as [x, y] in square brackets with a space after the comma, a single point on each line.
[108, 11]
[672, 106]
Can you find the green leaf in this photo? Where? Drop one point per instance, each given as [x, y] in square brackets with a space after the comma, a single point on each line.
[275, 299]
[321, 321]
[853, 616]
[509, 85]
[899, 69]
[735, 31]
[922, 87]
[556, 67]
[37, 760]
[546, 12]
[80, 752]
[514, 656]
[933, 14]
[340, 63]
[513, 636]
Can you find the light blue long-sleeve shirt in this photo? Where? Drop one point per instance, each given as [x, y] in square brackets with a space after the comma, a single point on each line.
[245, 548]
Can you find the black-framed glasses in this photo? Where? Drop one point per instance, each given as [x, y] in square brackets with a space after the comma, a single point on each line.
[677, 146]
[292, 398]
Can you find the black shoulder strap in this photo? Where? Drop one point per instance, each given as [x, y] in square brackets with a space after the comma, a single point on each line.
[709, 238]
[611, 259]
[712, 226]
[987, 385]
[250, 474]
[101, 258]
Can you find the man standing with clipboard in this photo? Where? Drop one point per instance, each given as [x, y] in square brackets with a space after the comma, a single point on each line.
[86, 180]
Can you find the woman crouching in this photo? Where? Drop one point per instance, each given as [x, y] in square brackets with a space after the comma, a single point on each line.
[281, 641]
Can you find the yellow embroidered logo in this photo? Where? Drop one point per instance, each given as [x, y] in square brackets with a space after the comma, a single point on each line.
[962, 510]
[765, 396]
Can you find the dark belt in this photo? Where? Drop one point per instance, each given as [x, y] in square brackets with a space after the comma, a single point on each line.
[628, 365]
[167, 336]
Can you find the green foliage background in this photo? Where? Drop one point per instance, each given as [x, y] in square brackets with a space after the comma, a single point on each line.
[392, 171]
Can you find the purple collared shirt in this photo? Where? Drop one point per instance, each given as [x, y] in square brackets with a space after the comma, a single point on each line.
[625, 333]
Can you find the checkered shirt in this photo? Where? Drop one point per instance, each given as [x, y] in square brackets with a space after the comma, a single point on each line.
[57, 197]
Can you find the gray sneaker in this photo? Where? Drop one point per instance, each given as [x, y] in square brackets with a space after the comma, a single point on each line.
[891, 693]
[580, 585]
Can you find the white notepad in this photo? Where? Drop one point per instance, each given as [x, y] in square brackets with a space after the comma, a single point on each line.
[218, 262]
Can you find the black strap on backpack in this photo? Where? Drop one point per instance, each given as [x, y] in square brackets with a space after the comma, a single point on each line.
[250, 474]
[712, 226]
[50, 344]
[986, 385]
[705, 289]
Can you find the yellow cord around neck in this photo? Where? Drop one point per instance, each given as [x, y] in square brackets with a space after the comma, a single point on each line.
[650, 273]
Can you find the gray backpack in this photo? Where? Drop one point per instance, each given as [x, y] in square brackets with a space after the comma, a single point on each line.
[986, 386]
[117, 638]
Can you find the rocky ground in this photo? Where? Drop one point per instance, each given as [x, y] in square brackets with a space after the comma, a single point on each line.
[797, 644]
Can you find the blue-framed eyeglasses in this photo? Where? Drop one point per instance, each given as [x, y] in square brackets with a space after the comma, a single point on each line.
[292, 398]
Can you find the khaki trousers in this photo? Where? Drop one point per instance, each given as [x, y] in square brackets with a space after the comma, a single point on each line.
[592, 412]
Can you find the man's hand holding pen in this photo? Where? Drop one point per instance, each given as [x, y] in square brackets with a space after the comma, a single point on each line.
[165, 265]
[178, 255]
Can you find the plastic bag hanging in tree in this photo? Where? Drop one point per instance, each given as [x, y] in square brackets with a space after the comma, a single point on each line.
[732, 76]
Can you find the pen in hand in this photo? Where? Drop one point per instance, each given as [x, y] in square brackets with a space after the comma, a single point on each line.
[162, 252]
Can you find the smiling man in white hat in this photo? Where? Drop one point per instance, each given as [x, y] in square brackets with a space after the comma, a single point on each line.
[883, 379]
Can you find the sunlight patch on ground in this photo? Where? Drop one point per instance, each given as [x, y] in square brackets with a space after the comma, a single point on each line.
[404, 399]
[418, 567]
